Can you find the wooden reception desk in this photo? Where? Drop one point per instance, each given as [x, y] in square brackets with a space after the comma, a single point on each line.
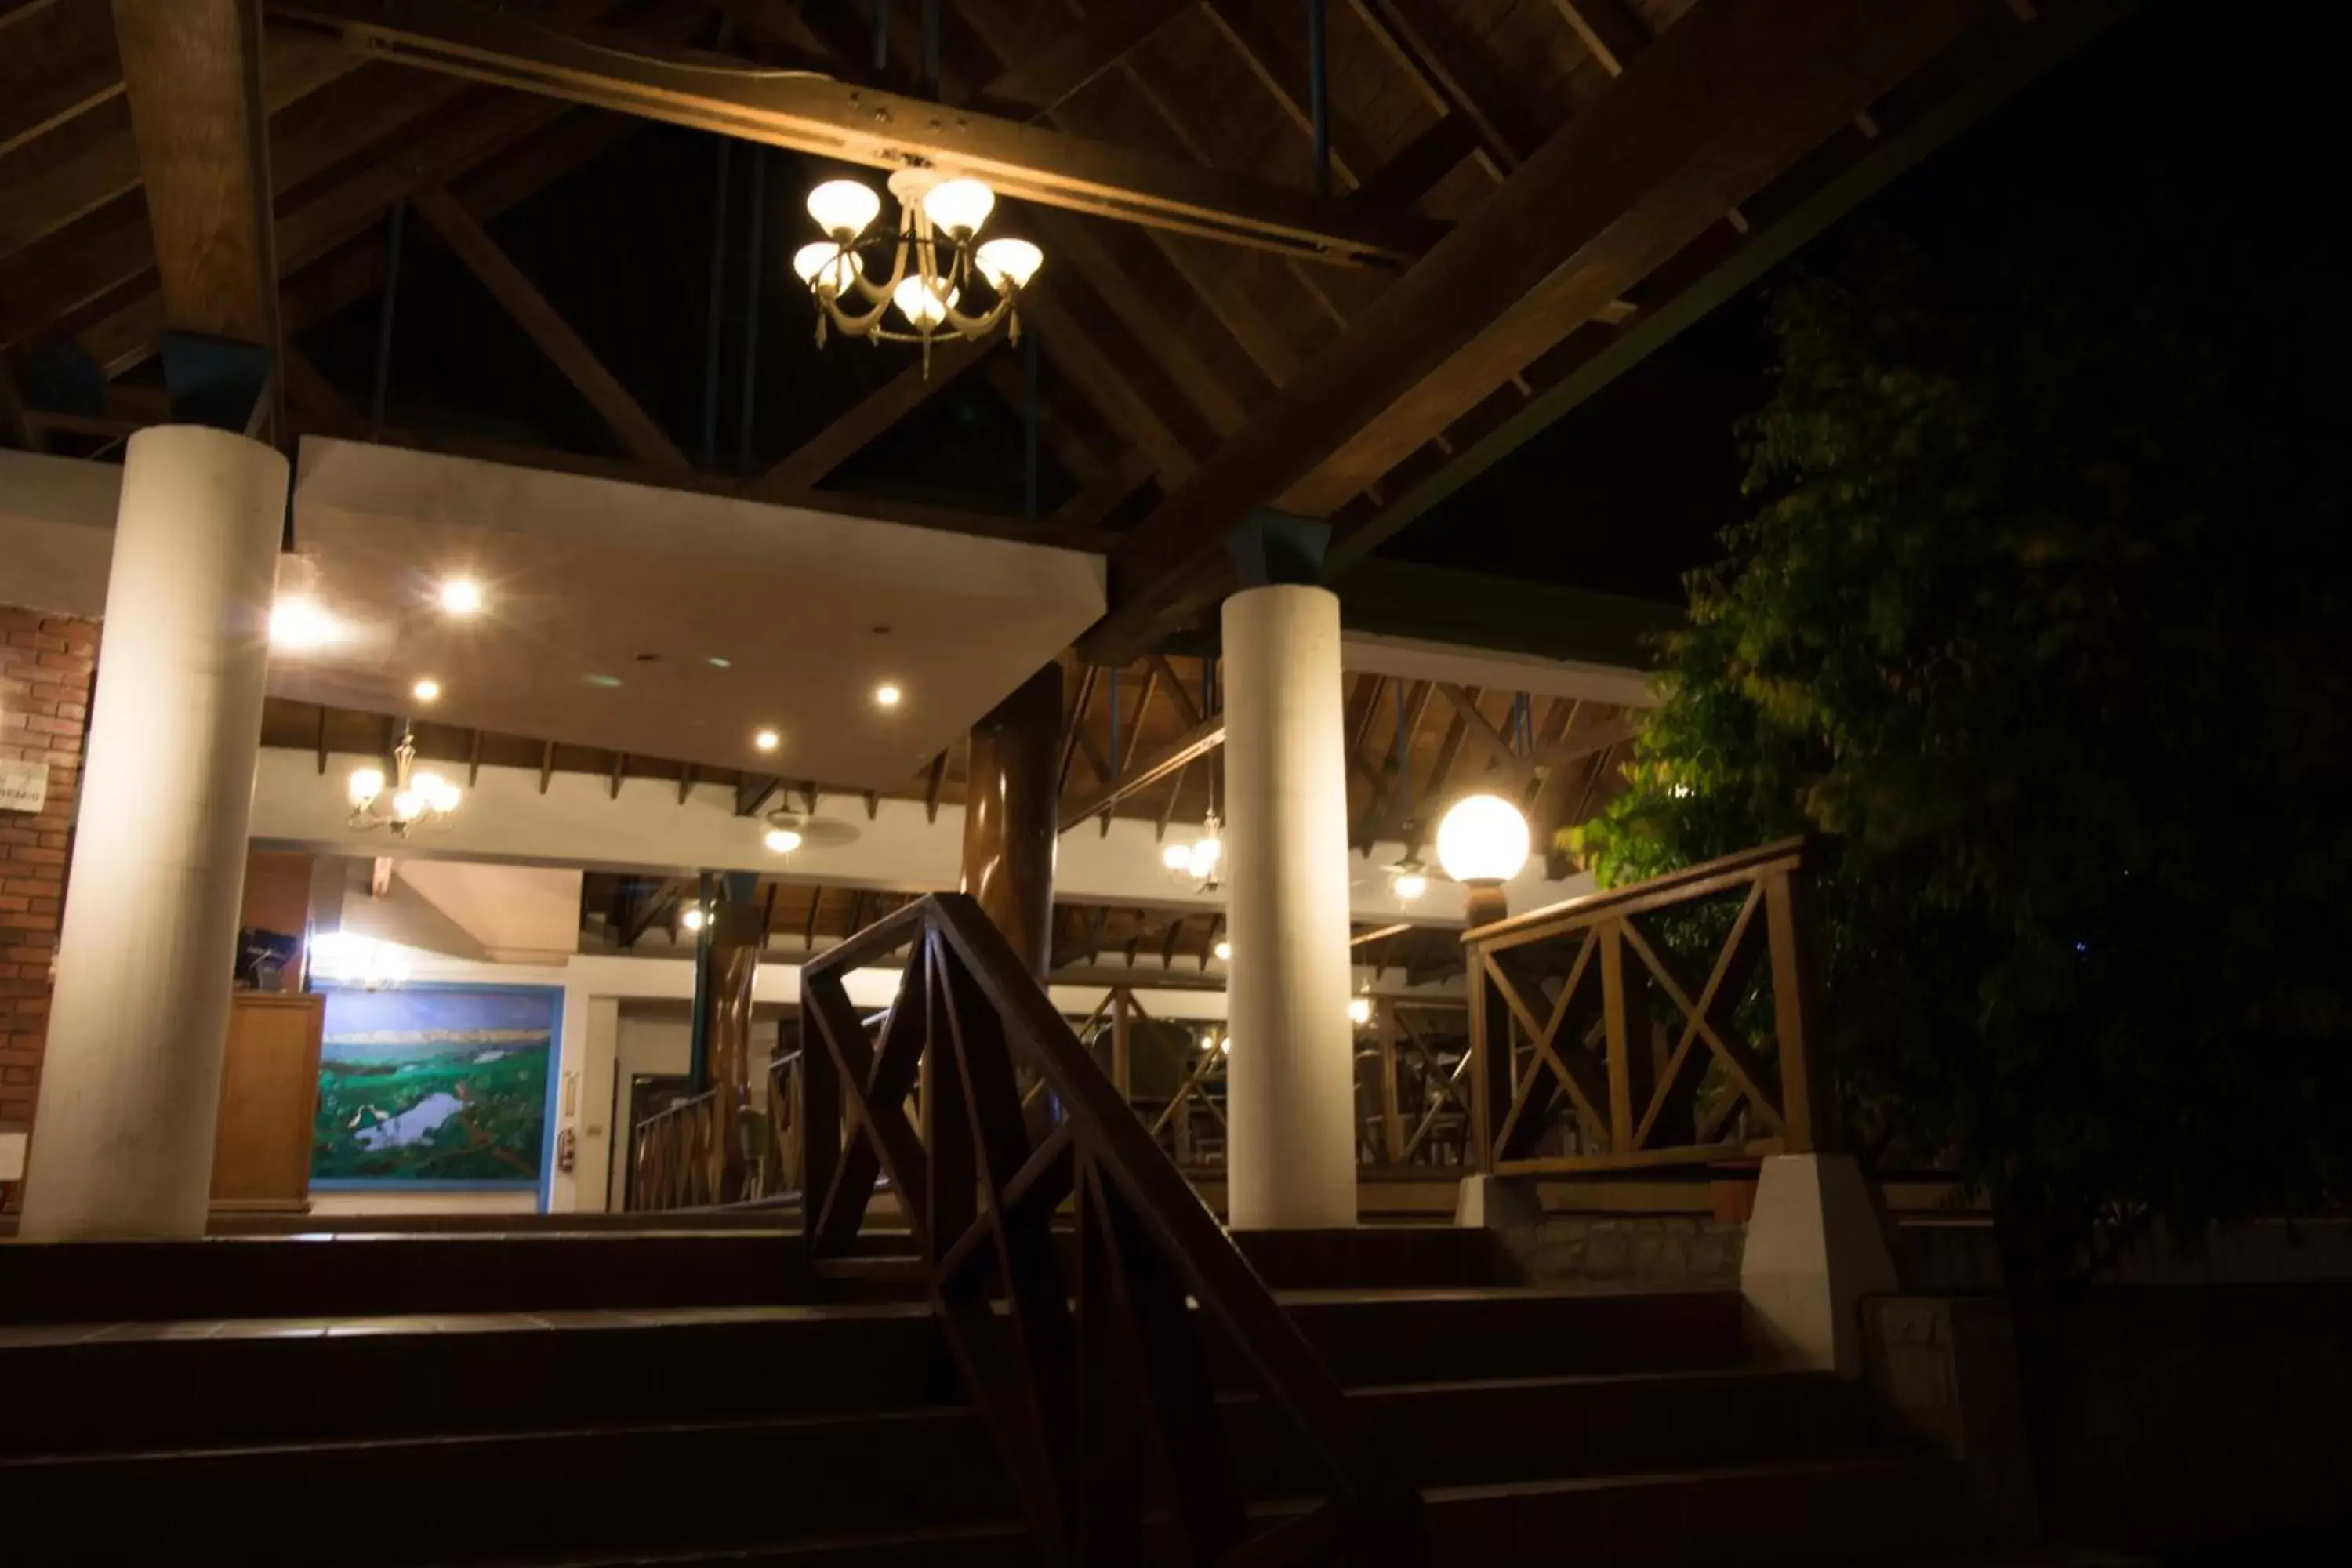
[269, 1093]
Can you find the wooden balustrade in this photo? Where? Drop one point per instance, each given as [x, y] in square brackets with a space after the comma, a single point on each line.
[1089, 1368]
[1593, 1050]
[675, 1156]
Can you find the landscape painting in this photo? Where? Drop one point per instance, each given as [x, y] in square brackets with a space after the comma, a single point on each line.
[437, 1086]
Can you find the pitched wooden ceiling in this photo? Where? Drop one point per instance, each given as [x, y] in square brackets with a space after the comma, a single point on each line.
[1524, 195]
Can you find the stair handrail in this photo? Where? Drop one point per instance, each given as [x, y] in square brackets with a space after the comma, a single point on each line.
[1073, 1376]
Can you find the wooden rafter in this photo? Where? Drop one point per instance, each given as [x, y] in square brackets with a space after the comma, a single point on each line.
[1169, 762]
[858, 124]
[1107, 34]
[192, 71]
[1426, 42]
[854, 427]
[1727, 99]
[546, 327]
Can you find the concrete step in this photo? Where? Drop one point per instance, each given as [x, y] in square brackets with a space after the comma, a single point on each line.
[92, 1387]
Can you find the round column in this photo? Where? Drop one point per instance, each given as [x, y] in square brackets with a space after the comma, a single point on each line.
[122, 1138]
[1290, 1083]
[1009, 807]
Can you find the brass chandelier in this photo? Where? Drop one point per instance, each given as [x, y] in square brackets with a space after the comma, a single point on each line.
[926, 268]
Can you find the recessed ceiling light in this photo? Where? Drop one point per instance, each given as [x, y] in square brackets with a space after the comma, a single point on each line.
[886, 695]
[767, 740]
[715, 662]
[461, 595]
[1224, 951]
[299, 624]
[426, 691]
[782, 840]
[608, 681]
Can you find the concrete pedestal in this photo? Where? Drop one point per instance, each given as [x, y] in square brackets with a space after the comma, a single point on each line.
[1816, 1247]
[1290, 1085]
[123, 1140]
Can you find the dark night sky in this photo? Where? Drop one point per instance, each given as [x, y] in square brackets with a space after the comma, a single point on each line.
[1628, 491]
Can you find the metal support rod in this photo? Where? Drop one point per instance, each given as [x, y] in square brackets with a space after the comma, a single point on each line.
[718, 310]
[394, 223]
[931, 47]
[1319, 97]
[881, 36]
[753, 280]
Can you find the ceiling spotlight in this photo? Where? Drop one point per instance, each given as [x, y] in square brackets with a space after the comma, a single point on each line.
[461, 595]
[426, 690]
[886, 695]
[767, 740]
[297, 625]
[782, 840]
[1224, 951]
[692, 919]
[715, 662]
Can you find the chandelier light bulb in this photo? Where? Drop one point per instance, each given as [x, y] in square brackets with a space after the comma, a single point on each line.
[366, 784]
[842, 208]
[920, 300]
[692, 919]
[825, 266]
[1411, 885]
[1482, 839]
[1177, 856]
[782, 840]
[1014, 259]
[959, 207]
[408, 806]
[1360, 1010]
[1205, 855]
[443, 796]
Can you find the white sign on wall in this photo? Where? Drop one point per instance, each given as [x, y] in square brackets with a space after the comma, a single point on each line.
[24, 786]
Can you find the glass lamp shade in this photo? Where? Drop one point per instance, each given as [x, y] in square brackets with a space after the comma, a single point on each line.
[825, 266]
[842, 208]
[1177, 856]
[1016, 260]
[408, 806]
[443, 796]
[366, 784]
[782, 840]
[920, 303]
[959, 207]
[1206, 854]
[1410, 885]
[1483, 839]
[1360, 1010]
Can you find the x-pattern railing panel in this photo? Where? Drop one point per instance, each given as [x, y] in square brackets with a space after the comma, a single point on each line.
[1551, 986]
[1092, 1376]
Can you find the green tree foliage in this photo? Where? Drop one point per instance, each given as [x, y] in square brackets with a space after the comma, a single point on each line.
[2040, 614]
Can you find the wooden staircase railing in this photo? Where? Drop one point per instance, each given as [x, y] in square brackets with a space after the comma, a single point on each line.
[1593, 1050]
[1094, 1382]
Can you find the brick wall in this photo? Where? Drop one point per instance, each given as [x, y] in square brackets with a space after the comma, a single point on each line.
[46, 667]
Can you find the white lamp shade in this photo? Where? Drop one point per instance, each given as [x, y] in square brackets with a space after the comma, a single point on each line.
[1177, 856]
[366, 784]
[843, 208]
[1483, 839]
[443, 796]
[782, 840]
[408, 806]
[1000, 260]
[1410, 885]
[959, 207]
[921, 306]
[825, 266]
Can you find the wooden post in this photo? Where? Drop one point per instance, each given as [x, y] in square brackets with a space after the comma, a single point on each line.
[1009, 796]
[1490, 1035]
[1384, 1015]
[1122, 1006]
[1809, 1111]
[1617, 1033]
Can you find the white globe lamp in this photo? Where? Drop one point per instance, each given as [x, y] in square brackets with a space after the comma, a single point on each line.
[1483, 843]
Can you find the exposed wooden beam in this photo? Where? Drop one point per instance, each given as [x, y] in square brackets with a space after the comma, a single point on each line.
[56, 62]
[752, 795]
[546, 327]
[2034, 51]
[932, 786]
[860, 125]
[857, 426]
[1426, 41]
[1187, 749]
[192, 71]
[1103, 493]
[1730, 95]
[1608, 30]
[1281, 67]
[1107, 34]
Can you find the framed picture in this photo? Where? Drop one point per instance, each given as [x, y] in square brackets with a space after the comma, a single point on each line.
[436, 1087]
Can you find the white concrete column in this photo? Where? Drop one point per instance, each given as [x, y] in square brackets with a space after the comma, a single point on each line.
[123, 1137]
[1291, 1082]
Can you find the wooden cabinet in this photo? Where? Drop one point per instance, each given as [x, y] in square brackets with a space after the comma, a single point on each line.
[269, 1093]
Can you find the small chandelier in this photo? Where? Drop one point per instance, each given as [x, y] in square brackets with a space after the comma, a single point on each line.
[1198, 864]
[935, 261]
[415, 799]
